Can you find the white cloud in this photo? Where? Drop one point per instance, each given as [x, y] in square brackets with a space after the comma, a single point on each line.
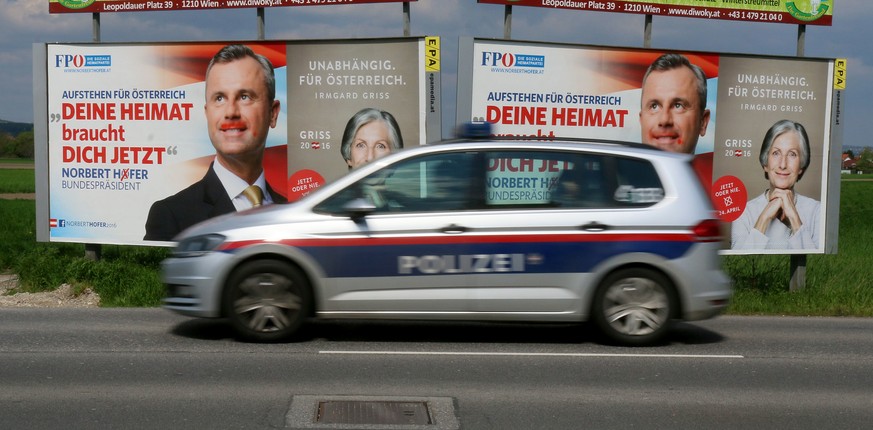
[24, 16]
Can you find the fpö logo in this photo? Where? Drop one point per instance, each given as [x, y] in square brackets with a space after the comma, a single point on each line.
[510, 60]
[79, 61]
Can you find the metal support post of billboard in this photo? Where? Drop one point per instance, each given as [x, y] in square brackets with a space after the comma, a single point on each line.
[507, 22]
[647, 31]
[93, 250]
[801, 39]
[798, 261]
[406, 19]
[260, 23]
[798, 272]
[95, 26]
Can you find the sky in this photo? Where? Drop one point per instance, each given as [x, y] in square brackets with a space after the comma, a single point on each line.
[24, 22]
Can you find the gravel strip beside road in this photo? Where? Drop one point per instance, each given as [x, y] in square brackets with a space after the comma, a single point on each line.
[62, 297]
[18, 196]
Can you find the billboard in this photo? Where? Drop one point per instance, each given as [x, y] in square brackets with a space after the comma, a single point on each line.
[763, 130]
[102, 6]
[132, 128]
[813, 12]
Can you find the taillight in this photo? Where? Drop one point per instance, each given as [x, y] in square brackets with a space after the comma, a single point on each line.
[708, 230]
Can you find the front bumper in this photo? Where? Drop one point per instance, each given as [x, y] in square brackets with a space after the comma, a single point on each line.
[194, 284]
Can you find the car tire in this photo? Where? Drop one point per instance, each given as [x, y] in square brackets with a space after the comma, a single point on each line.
[634, 306]
[267, 300]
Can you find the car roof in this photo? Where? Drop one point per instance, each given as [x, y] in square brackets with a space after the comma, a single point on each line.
[501, 143]
[511, 140]
[532, 143]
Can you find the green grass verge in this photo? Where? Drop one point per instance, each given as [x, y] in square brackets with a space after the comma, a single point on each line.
[832, 287]
[124, 276]
[16, 181]
[22, 161]
[128, 276]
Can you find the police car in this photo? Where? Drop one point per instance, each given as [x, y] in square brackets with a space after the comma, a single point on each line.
[489, 230]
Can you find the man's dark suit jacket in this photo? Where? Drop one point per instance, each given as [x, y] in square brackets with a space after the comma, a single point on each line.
[204, 199]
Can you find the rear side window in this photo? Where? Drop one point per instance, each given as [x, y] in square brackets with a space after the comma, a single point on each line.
[638, 183]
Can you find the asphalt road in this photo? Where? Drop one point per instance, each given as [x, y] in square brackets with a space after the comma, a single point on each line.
[148, 368]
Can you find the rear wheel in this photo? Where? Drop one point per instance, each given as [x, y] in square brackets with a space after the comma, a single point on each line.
[267, 300]
[634, 306]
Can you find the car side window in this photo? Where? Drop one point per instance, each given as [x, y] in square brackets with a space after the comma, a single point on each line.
[437, 182]
[505, 180]
[638, 183]
[549, 179]
[569, 180]
[586, 185]
[521, 179]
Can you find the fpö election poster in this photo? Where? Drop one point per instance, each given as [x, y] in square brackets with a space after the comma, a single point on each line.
[765, 132]
[813, 12]
[126, 125]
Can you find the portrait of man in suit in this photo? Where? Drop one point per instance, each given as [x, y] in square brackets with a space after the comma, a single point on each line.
[673, 115]
[240, 109]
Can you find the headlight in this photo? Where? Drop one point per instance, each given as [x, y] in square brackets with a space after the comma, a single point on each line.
[198, 245]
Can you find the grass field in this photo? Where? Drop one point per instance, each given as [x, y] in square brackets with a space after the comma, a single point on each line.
[21, 161]
[836, 285]
[16, 181]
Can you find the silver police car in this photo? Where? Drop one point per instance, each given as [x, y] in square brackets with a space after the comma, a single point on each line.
[542, 230]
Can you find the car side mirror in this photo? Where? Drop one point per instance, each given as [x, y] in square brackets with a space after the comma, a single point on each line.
[359, 208]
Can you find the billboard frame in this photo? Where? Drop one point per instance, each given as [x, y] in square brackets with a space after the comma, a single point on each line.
[833, 125]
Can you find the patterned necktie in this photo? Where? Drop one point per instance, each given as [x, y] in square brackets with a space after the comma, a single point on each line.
[254, 194]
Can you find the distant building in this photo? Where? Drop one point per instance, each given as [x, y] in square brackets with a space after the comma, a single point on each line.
[849, 164]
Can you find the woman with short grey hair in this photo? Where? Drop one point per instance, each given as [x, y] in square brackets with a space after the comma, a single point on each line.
[780, 218]
[370, 134]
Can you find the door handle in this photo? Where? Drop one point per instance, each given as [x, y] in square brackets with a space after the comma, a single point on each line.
[453, 229]
[594, 226]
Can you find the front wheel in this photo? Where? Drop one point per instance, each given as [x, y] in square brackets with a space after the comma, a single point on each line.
[267, 300]
[634, 306]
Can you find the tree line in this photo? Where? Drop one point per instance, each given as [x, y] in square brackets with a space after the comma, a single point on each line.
[17, 146]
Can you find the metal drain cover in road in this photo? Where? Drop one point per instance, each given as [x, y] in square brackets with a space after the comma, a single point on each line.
[370, 412]
[367, 412]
